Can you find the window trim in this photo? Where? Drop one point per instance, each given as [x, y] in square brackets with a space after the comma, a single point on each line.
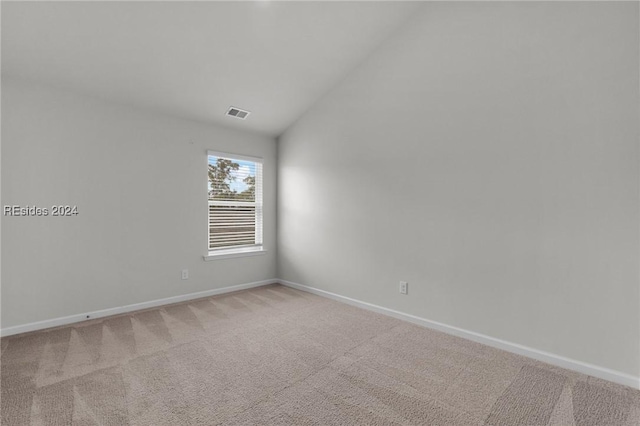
[235, 252]
[231, 156]
[245, 250]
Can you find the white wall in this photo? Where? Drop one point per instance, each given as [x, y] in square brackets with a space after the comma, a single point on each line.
[140, 183]
[488, 154]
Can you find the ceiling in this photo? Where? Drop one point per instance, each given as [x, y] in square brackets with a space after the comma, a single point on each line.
[195, 59]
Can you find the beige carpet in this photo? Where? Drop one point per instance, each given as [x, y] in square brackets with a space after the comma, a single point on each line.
[278, 356]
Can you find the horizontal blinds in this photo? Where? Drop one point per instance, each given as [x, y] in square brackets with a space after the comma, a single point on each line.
[232, 180]
[231, 226]
[235, 202]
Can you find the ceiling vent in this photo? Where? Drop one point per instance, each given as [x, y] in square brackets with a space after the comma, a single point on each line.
[238, 113]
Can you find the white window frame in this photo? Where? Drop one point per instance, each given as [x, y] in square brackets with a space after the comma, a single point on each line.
[245, 250]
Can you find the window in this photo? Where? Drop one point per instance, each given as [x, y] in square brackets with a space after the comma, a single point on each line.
[235, 205]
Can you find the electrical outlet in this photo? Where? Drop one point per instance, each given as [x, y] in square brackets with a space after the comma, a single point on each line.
[404, 287]
[185, 274]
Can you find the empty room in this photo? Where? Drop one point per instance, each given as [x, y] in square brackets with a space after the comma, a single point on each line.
[320, 213]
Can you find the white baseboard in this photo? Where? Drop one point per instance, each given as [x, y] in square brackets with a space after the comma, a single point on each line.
[56, 322]
[549, 358]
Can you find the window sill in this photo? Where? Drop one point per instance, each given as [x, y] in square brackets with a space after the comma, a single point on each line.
[231, 253]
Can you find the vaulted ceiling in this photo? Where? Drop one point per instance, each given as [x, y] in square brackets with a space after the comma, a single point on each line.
[195, 59]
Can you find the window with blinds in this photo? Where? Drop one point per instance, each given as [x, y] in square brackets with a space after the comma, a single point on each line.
[235, 202]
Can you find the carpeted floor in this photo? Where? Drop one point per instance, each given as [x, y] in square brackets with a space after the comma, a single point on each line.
[274, 355]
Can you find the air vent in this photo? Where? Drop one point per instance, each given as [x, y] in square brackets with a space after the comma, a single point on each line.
[238, 113]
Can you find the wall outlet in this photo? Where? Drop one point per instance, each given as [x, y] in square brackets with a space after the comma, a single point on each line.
[185, 274]
[404, 287]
